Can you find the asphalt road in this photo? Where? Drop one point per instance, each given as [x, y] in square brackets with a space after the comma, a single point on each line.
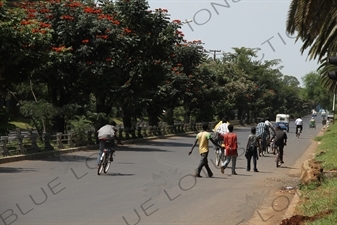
[148, 183]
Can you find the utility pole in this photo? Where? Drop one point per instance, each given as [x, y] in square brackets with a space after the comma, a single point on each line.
[214, 51]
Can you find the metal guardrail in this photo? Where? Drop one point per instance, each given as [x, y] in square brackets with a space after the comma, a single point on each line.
[25, 141]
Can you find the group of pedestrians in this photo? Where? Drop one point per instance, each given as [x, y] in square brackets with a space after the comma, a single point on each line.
[225, 138]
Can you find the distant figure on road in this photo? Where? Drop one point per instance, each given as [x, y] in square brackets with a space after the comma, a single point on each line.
[324, 123]
[203, 137]
[251, 149]
[299, 124]
[231, 149]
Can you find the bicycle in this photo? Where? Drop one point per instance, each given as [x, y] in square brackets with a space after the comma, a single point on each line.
[270, 148]
[298, 132]
[278, 160]
[219, 156]
[105, 161]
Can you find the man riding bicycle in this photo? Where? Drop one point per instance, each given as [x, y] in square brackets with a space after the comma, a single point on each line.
[280, 141]
[299, 124]
[106, 133]
[271, 131]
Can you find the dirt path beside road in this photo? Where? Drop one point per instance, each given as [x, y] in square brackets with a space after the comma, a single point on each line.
[283, 198]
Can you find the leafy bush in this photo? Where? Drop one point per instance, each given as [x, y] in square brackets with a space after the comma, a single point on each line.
[81, 126]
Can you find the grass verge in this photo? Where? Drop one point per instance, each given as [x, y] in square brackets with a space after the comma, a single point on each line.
[319, 202]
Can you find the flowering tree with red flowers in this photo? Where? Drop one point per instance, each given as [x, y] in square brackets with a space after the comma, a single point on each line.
[83, 44]
[148, 61]
[181, 84]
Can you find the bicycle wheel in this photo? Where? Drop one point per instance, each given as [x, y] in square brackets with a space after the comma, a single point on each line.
[101, 164]
[270, 149]
[217, 157]
[107, 163]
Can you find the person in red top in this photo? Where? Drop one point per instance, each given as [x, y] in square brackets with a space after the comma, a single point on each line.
[231, 149]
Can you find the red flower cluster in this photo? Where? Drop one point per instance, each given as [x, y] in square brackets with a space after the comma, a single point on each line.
[179, 32]
[44, 10]
[25, 22]
[108, 17]
[44, 25]
[91, 10]
[75, 4]
[31, 15]
[127, 30]
[58, 49]
[1, 4]
[176, 21]
[67, 17]
[108, 59]
[38, 31]
[116, 22]
[102, 36]
[196, 41]
[85, 41]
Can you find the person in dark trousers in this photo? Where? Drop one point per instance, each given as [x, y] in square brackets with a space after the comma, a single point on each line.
[231, 149]
[262, 131]
[251, 149]
[280, 140]
[203, 138]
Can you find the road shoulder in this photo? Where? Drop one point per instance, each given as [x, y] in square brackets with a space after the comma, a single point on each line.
[284, 197]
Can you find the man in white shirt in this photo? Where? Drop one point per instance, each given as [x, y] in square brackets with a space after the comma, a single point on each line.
[223, 128]
[299, 124]
[271, 131]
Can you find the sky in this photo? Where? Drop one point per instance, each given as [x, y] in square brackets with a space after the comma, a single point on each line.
[224, 24]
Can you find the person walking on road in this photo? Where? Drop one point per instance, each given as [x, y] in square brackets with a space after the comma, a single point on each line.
[203, 138]
[251, 149]
[231, 149]
[262, 131]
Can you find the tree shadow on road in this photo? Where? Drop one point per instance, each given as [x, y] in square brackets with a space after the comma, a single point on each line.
[119, 174]
[15, 170]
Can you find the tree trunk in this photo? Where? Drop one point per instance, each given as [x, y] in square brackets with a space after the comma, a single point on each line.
[152, 114]
[101, 107]
[240, 112]
[187, 114]
[127, 117]
[169, 116]
[59, 98]
[127, 121]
